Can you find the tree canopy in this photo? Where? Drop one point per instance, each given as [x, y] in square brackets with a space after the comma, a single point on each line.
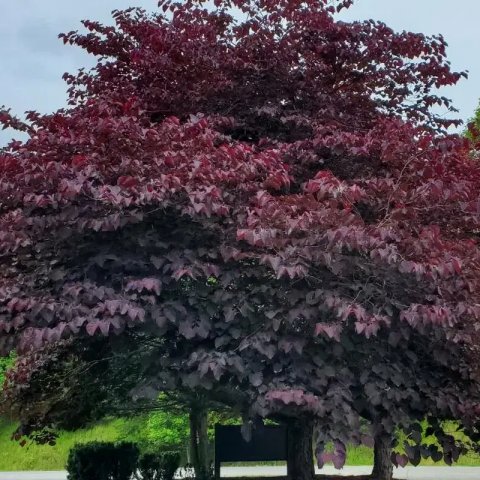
[270, 197]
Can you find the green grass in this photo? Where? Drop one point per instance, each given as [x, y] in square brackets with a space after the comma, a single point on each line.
[364, 456]
[359, 456]
[44, 457]
[13, 457]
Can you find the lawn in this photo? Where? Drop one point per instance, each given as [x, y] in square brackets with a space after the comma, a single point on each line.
[35, 457]
[44, 457]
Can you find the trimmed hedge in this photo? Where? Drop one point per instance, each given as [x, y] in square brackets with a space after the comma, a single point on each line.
[120, 461]
[103, 461]
[161, 466]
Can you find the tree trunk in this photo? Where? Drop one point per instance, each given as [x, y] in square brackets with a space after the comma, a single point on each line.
[300, 453]
[199, 443]
[382, 463]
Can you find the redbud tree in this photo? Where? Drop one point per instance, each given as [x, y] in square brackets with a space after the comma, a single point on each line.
[266, 192]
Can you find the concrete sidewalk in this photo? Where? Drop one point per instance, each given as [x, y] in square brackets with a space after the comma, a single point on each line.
[408, 473]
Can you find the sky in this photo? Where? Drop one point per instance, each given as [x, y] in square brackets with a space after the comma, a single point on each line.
[33, 59]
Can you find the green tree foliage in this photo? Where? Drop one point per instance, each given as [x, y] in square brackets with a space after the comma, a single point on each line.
[165, 429]
[472, 133]
[473, 128]
[5, 364]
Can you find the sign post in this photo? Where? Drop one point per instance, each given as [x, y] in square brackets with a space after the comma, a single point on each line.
[268, 443]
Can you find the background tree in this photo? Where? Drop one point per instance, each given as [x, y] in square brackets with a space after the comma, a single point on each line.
[474, 125]
[472, 133]
[295, 228]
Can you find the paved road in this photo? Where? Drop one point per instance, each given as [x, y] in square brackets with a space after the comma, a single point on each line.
[409, 473]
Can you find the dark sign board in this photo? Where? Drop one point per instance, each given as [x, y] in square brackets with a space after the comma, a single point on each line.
[268, 443]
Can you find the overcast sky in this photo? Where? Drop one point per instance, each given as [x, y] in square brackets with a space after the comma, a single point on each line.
[32, 59]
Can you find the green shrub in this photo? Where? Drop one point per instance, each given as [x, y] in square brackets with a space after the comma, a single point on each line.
[102, 461]
[160, 466]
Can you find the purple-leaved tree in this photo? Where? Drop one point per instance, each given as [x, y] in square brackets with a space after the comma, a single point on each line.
[269, 198]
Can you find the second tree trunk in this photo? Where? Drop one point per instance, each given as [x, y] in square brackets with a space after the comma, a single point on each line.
[382, 463]
[300, 453]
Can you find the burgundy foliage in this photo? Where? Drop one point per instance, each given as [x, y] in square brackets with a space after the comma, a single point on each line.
[274, 199]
